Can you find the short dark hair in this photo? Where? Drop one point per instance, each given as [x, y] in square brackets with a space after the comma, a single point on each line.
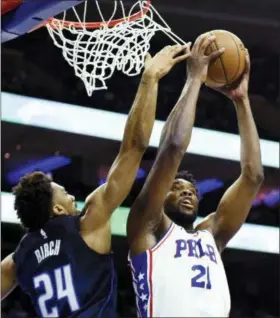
[33, 200]
[186, 175]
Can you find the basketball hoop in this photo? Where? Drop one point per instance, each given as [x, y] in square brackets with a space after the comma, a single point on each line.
[96, 49]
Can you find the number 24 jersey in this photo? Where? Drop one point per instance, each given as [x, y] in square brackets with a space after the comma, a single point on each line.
[62, 275]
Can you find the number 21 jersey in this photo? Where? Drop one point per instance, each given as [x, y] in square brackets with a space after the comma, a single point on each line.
[181, 276]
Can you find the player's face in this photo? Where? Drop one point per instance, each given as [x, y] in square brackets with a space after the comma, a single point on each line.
[181, 203]
[63, 203]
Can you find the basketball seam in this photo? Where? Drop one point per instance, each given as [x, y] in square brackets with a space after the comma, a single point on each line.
[209, 75]
[237, 69]
[222, 63]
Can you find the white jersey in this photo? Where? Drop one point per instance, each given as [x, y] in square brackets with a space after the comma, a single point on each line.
[181, 276]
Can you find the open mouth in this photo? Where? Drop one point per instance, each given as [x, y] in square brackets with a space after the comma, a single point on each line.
[186, 203]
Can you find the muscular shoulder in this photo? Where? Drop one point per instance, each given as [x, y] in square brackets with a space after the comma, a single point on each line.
[146, 235]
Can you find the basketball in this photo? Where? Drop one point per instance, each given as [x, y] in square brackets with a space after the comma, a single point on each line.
[230, 66]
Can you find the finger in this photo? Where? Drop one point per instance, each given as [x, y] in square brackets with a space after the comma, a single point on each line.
[213, 56]
[175, 47]
[181, 48]
[188, 47]
[166, 49]
[199, 41]
[189, 44]
[207, 42]
[181, 58]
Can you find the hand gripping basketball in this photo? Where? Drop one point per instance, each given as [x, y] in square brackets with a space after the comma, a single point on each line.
[163, 61]
[238, 90]
[198, 61]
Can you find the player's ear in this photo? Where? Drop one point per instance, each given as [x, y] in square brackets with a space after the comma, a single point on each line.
[59, 210]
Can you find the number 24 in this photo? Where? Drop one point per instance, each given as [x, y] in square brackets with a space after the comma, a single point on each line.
[62, 284]
[199, 280]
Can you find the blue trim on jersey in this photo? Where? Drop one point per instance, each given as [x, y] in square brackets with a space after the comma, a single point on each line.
[140, 280]
[111, 288]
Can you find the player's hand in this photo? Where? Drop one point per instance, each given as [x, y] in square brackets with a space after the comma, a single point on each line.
[239, 90]
[163, 61]
[198, 61]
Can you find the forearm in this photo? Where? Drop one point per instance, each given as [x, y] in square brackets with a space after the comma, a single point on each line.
[8, 276]
[167, 125]
[142, 114]
[250, 144]
[170, 154]
[178, 127]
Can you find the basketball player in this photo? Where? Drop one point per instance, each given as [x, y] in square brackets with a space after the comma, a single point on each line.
[64, 262]
[176, 267]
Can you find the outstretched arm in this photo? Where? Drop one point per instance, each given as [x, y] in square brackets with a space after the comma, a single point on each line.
[104, 200]
[237, 201]
[147, 210]
[8, 276]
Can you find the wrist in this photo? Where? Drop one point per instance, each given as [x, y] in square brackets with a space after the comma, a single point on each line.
[197, 77]
[149, 76]
[240, 100]
[194, 79]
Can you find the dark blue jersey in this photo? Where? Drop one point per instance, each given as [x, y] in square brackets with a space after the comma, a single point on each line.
[62, 275]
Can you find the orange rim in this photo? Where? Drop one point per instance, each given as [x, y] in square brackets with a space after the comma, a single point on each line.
[97, 25]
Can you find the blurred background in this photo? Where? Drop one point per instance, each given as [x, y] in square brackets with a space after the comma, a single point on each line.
[35, 78]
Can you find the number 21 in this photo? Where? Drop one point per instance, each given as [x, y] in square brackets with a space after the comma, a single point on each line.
[199, 280]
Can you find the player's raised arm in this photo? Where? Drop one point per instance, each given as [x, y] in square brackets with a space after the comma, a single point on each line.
[147, 211]
[8, 276]
[103, 201]
[238, 199]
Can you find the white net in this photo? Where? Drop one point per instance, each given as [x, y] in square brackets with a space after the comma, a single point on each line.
[96, 53]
